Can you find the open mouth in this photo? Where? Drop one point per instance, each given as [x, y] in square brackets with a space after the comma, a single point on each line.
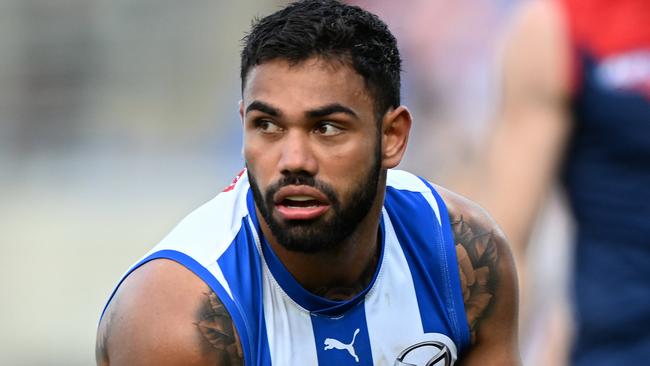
[300, 203]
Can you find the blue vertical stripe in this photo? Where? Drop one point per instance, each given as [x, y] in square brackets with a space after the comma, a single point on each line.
[456, 305]
[242, 268]
[343, 340]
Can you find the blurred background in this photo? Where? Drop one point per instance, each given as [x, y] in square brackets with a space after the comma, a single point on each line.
[117, 118]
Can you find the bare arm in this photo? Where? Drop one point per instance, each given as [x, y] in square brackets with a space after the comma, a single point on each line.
[488, 282]
[532, 128]
[164, 315]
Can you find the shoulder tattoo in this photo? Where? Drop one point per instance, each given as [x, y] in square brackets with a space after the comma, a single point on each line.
[101, 352]
[218, 330]
[476, 249]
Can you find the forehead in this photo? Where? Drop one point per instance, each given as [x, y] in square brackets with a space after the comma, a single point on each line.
[307, 84]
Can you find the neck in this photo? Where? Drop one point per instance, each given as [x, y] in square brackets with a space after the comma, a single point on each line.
[340, 273]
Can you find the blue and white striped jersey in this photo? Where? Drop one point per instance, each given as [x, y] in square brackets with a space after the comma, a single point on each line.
[414, 296]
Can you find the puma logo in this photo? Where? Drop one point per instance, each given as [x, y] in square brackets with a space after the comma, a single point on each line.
[331, 343]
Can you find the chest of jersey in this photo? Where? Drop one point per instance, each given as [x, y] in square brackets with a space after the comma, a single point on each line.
[412, 312]
[373, 330]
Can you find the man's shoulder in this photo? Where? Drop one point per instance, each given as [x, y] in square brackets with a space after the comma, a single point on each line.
[163, 294]
[475, 232]
[487, 272]
[456, 205]
[163, 313]
[208, 230]
[459, 206]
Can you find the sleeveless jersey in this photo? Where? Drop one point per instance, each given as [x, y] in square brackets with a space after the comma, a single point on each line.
[412, 311]
[607, 176]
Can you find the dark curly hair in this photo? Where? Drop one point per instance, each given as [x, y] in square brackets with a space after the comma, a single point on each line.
[329, 29]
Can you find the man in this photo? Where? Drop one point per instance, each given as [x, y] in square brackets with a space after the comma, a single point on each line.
[577, 106]
[317, 253]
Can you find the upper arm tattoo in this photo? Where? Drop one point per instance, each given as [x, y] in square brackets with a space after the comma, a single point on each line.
[218, 330]
[476, 249]
[101, 352]
[104, 333]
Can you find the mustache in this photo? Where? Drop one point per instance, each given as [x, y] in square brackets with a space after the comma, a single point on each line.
[297, 179]
[303, 179]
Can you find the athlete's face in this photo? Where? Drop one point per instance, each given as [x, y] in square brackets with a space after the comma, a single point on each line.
[313, 150]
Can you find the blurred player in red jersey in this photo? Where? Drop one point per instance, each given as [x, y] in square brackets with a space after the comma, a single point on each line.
[577, 107]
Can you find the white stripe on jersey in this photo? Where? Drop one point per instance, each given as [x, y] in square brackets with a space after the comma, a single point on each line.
[289, 329]
[394, 301]
[287, 323]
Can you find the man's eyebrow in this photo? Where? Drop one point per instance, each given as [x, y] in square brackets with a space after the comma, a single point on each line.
[330, 109]
[257, 105]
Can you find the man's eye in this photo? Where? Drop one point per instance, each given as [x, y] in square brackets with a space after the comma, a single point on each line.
[266, 126]
[327, 129]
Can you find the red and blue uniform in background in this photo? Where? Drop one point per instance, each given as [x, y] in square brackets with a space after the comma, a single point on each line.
[607, 176]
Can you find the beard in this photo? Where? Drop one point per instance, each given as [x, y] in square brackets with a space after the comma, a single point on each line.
[323, 233]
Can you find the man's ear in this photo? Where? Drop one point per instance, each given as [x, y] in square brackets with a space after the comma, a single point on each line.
[241, 117]
[396, 126]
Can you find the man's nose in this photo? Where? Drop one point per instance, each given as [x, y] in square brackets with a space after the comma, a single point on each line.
[297, 154]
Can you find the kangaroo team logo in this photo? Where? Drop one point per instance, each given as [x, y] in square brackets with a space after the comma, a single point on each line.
[331, 343]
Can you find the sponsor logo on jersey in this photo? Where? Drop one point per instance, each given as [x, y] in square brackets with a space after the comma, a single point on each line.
[331, 343]
[427, 353]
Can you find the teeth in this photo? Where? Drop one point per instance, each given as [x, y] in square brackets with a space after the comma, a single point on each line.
[300, 198]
